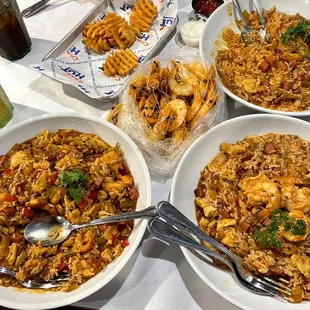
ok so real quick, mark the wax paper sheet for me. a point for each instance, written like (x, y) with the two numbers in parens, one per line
(82, 68)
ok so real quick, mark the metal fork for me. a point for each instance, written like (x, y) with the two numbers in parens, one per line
(246, 30)
(33, 284)
(175, 218)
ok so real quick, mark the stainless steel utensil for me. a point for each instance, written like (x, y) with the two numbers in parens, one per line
(166, 232)
(35, 8)
(246, 30)
(33, 284)
(174, 217)
(52, 230)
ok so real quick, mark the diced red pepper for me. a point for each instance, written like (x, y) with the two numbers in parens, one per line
(54, 176)
(10, 198)
(62, 267)
(93, 195)
(83, 204)
(27, 212)
(124, 243)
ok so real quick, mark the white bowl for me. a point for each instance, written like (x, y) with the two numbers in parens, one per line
(25, 299)
(185, 182)
(220, 19)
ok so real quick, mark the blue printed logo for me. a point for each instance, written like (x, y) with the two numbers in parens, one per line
(141, 58)
(126, 7)
(73, 73)
(74, 50)
(167, 21)
(144, 36)
(38, 68)
(110, 92)
(83, 89)
(102, 16)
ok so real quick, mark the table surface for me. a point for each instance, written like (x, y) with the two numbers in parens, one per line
(157, 275)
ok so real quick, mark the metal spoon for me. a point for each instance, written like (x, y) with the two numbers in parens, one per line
(50, 230)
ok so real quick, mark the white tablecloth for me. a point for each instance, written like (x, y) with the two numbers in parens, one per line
(157, 276)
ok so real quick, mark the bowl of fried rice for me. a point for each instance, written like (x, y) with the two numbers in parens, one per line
(246, 183)
(270, 76)
(80, 168)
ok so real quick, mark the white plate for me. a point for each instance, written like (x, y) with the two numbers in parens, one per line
(220, 19)
(185, 182)
(18, 299)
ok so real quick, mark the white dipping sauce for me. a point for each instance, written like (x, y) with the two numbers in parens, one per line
(191, 31)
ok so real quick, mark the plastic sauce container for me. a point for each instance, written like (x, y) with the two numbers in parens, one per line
(191, 31)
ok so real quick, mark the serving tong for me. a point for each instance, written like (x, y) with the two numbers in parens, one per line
(246, 30)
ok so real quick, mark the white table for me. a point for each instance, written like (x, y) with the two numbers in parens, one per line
(157, 276)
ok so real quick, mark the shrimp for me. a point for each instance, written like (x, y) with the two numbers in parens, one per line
(151, 109)
(180, 133)
(198, 69)
(195, 106)
(296, 198)
(260, 190)
(175, 111)
(172, 117)
(297, 215)
(137, 86)
(181, 80)
(205, 109)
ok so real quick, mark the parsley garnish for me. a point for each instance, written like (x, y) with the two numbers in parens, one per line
(74, 180)
(301, 30)
(267, 237)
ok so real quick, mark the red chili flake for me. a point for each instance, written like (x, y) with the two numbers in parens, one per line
(7, 171)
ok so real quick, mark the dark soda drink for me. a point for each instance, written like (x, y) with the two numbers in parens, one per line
(15, 42)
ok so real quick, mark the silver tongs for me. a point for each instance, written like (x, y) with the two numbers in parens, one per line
(246, 30)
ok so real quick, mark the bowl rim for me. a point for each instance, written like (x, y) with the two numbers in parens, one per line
(174, 190)
(54, 303)
(226, 90)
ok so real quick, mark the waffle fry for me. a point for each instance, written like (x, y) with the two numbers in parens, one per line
(112, 31)
(120, 63)
(94, 38)
(143, 15)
